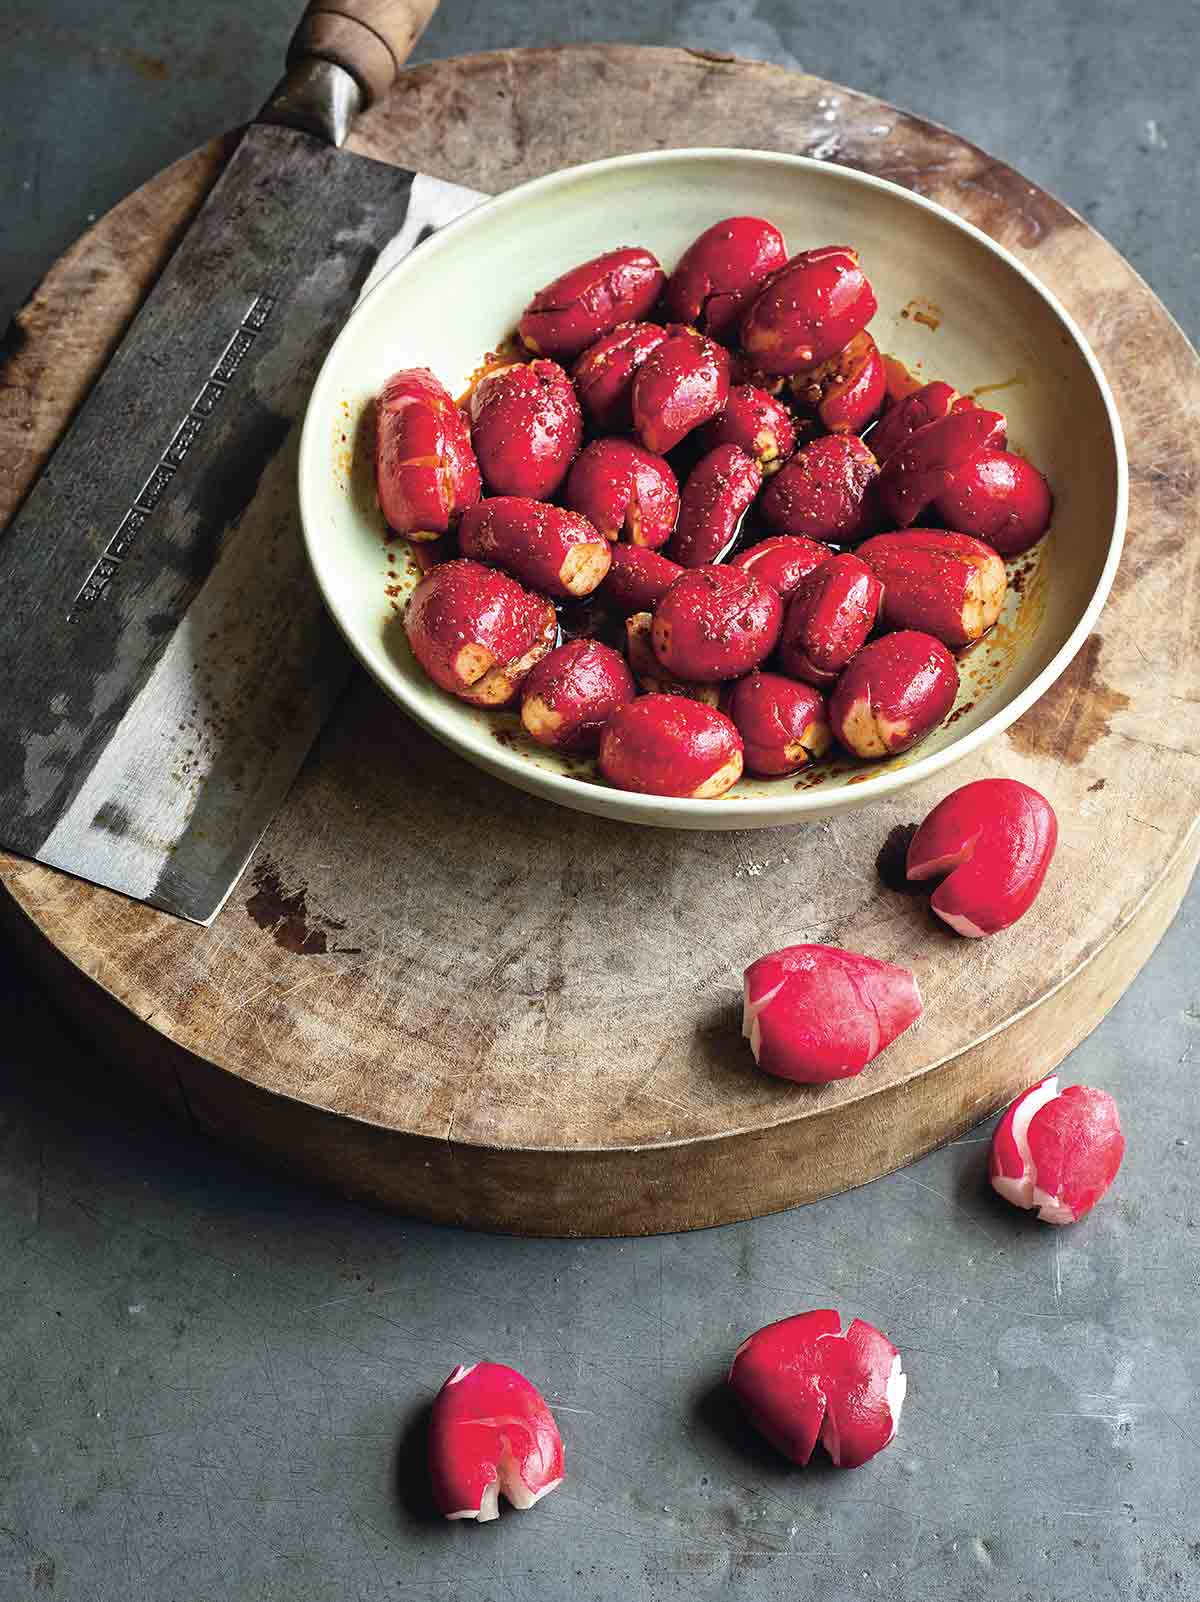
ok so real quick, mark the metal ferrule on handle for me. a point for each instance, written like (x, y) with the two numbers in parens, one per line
(344, 56)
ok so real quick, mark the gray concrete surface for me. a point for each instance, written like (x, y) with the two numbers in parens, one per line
(213, 1382)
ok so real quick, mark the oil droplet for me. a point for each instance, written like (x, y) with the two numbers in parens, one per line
(924, 311)
(1005, 383)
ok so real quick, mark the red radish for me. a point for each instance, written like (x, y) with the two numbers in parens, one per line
(808, 310)
(928, 404)
(1000, 498)
(649, 671)
(926, 464)
(491, 1432)
(866, 1386)
(669, 745)
(756, 423)
(546, 547)
(783, 725)
(681, 384)
(846, 391)
(948, 584)
(778, 1374)
(571, 694)
(830, 615)
(993, 841)
(425, 470)
(815, 1013)
(822, 492)
(624, 491)
(1058, 1151)
(716, 623)
(892, 693)
(782, 560)
(717, 495)
(526, 427)
(802, 1380)
(720, 271)
(579, 306)
(476, 632)
(604, 374)
(638, 579)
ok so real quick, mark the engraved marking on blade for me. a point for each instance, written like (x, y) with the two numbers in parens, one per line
(122, 541)
(205, 402)
(97, 582)
(256, 317)
(155, 486)
(234, 352)
(184, 437)
(185, 434)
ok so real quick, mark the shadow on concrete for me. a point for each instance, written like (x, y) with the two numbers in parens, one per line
(410, 1468)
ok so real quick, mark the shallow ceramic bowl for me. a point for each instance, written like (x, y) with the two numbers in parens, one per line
(952, 305)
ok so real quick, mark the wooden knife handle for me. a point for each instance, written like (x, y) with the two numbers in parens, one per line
(371, 39)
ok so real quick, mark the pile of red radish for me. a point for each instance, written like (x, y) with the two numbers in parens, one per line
(719, 457)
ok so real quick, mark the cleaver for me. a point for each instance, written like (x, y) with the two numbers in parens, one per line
(165, 659)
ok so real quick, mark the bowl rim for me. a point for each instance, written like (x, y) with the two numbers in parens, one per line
(794, 805)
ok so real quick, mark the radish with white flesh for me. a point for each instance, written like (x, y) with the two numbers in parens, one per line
(803, 1379)
(490, 1432)
(815, 1013)
(829, 616)
(649, 671)
(823, 492)
(604, 374)
(845, 391)
(892, 693)
(1058, 1151)
(570, 695)
(783, 724)
(526, 428)
(671, 745)
(946, 583)
(546, 547)
(624, 491)
(866, 1385)
(426, 473)
(476, 632)
(993, 840)
(716, 623)
(757, 423)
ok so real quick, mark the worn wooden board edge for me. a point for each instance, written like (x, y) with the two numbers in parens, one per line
(626, 1192)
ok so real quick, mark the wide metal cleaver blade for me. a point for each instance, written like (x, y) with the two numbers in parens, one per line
(165, 660)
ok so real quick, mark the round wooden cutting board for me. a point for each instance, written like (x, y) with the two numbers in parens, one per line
(437, 993)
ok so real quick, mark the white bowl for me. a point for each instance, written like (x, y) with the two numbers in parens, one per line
(997, 331)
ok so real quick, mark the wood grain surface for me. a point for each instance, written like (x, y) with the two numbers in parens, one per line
(441, 994)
